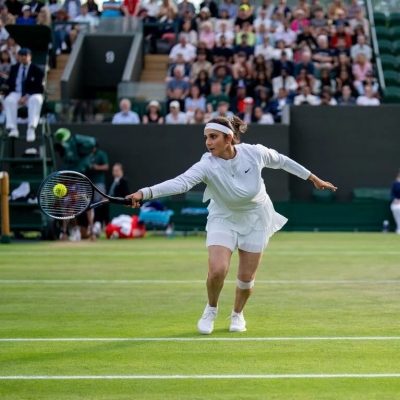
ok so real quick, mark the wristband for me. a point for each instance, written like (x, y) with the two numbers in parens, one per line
(146, 192)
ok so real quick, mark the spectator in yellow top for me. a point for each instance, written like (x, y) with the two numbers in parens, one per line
(247, 29)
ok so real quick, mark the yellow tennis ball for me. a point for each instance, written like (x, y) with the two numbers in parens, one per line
(60, 190)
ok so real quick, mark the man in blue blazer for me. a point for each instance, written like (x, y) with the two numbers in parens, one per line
(25, 84)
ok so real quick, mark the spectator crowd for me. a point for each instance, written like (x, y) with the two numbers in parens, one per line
(229, 57)
(251, 61)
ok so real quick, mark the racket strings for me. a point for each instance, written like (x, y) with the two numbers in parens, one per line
(77, 198)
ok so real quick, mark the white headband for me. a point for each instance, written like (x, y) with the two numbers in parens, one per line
(219, 127)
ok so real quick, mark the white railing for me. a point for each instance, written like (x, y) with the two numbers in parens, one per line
(374, 41)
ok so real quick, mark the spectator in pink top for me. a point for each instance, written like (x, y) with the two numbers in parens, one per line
(300, 21)
(361, 68)
(207, 35)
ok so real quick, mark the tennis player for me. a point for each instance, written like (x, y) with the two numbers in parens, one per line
(241, 214)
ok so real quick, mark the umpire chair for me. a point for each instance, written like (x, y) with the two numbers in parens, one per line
(25, 216)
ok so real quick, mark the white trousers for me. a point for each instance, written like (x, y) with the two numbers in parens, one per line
(395, 207)
(34, 104)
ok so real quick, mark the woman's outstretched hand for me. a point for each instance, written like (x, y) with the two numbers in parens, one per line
(320, 184)
(136, 198)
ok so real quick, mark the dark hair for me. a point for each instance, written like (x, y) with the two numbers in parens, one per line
(234, 123)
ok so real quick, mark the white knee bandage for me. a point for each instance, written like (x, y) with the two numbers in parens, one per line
(245, 285)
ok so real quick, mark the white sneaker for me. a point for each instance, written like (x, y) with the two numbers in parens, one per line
(13, 133)
(238, 324)
(97, 228)
(75, 235)
(206, 322)
(30, 135)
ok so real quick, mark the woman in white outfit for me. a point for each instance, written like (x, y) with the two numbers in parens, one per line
(241, 214)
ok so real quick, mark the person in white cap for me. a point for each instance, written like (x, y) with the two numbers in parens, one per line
(153, 115)
(26, 17)
(241, 215)
(175, 116)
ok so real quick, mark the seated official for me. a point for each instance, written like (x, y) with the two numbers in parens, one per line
(25, 84)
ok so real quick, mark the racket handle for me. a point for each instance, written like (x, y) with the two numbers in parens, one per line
(123, 201)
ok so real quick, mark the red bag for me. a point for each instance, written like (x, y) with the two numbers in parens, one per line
(119, 228)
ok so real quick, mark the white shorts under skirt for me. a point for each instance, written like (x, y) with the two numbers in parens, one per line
(221, 235)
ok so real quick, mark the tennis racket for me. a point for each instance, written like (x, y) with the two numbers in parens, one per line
(67, 194)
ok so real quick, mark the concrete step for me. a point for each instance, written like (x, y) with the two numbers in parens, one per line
(156, 67)
(54, 74)
(62, 60)
(156, 58)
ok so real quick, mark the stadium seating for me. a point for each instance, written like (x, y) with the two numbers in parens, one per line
(385, 46)
(391, 77)
(384, 32)
(389, 61)
(394, 19)
(392, 95)
(380, 19)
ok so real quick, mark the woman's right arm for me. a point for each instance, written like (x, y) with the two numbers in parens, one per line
(181, 184)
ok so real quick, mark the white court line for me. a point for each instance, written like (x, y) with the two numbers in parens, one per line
(211, 339)
(267, 376)
(135, 252)
(166, 281)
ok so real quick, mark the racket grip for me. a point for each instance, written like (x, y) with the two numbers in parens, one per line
(125, 202)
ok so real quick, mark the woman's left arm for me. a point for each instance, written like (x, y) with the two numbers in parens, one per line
(272, 159)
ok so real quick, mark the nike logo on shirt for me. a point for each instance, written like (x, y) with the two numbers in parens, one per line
(247, 171)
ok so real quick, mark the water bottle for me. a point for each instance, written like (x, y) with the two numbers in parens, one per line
(169, 232)
(385, 226)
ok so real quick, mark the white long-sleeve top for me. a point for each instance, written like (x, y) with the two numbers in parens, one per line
(235, 187)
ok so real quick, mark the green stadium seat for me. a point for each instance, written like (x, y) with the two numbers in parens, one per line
(394, 19)
(391, 95)
(385, 46)
(368, 194)
(391, 77)
(396, 47)
(380, 19)
(383, 33)
(137, 109)
(395, 33)
(388, 61)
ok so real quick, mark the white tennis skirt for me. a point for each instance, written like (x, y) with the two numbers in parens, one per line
(221, 235)
(246, 231)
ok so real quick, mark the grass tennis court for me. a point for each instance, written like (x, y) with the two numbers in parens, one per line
(323, 323)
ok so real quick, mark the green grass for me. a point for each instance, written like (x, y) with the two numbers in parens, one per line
(309, 285)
